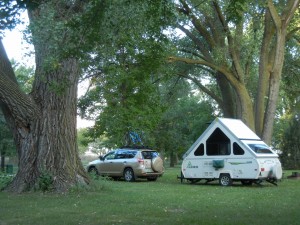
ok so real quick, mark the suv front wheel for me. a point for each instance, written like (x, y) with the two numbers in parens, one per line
(129, 175)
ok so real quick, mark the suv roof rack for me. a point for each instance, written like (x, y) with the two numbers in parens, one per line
(136, 147)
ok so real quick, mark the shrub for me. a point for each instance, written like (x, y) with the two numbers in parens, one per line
(5, 179)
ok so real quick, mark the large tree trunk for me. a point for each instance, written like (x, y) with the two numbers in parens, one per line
(281, 23)
(228, 104)
(44, 123)
(264, 74)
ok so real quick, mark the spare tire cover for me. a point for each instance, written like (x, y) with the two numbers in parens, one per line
(157, 164)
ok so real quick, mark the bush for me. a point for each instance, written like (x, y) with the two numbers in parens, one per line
(45, 181)
(290, 145)
(5, 179)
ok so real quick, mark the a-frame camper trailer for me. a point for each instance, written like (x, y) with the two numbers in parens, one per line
(230, 151)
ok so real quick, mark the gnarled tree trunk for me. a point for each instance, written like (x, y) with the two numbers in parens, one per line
(44, 122)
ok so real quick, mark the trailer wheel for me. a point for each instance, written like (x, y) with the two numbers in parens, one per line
(225, 179)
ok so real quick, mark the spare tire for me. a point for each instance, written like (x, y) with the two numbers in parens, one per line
(157, 164)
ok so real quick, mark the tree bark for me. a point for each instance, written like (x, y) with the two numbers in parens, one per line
(264, 74)
(281, 24)
(44, 123)
(228, 105)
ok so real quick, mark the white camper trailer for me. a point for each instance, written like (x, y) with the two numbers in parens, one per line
(229, 151)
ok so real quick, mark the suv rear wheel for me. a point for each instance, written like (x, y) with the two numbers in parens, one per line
(129, 175)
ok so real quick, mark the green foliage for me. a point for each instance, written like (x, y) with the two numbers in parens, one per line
(86, 141)
(45, 181)
(235, 10)
(7, 147)
(290, 144)
(5, 179)
(182, 123)
(9, 14)
(290, 74)
(24, 74)
(126, 63)
(82, 139)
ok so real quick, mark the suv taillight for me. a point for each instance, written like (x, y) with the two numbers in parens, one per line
(141, 161)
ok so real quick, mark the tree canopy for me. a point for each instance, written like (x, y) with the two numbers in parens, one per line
(143, 74)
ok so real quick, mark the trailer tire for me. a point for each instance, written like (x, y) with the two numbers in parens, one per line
(225, 179)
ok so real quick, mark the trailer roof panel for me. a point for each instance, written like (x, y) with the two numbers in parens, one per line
(238, 128)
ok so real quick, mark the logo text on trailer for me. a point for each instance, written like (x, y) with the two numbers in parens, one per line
(190, 166)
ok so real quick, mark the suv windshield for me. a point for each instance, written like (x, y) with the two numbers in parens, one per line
(260, 148)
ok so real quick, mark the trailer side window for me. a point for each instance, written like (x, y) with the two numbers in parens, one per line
(260, 148)
(200, 150)
(237, 150)
(218, 143)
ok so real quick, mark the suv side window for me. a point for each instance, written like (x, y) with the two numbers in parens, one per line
(121, 155)
(125, 154)
(110, 156)
(131, 154)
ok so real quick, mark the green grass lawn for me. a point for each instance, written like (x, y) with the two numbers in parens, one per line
(165, 201)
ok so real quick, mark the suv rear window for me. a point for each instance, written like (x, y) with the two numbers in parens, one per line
(149, 154)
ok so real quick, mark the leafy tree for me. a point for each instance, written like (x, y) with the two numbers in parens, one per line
(232, 41)
(43, 122)
(182, 124)
(126, 74)
(82, 140)
(290, 144)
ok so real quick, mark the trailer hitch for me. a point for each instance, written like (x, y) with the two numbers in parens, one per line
(272, 181)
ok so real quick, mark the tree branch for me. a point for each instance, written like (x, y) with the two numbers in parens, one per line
(197, 24)
(198, 43)
(289, 11)
(276, 18)
(21, 107)
(199, 62)
(203, 88)
(236, 62)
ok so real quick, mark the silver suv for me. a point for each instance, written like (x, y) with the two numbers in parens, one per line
(129, 163)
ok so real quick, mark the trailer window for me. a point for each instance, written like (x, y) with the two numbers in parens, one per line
(200, 150)
(218, 143)
(260, 148)
(237, 150)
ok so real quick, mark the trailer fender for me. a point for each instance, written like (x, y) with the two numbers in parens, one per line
(227, 172)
